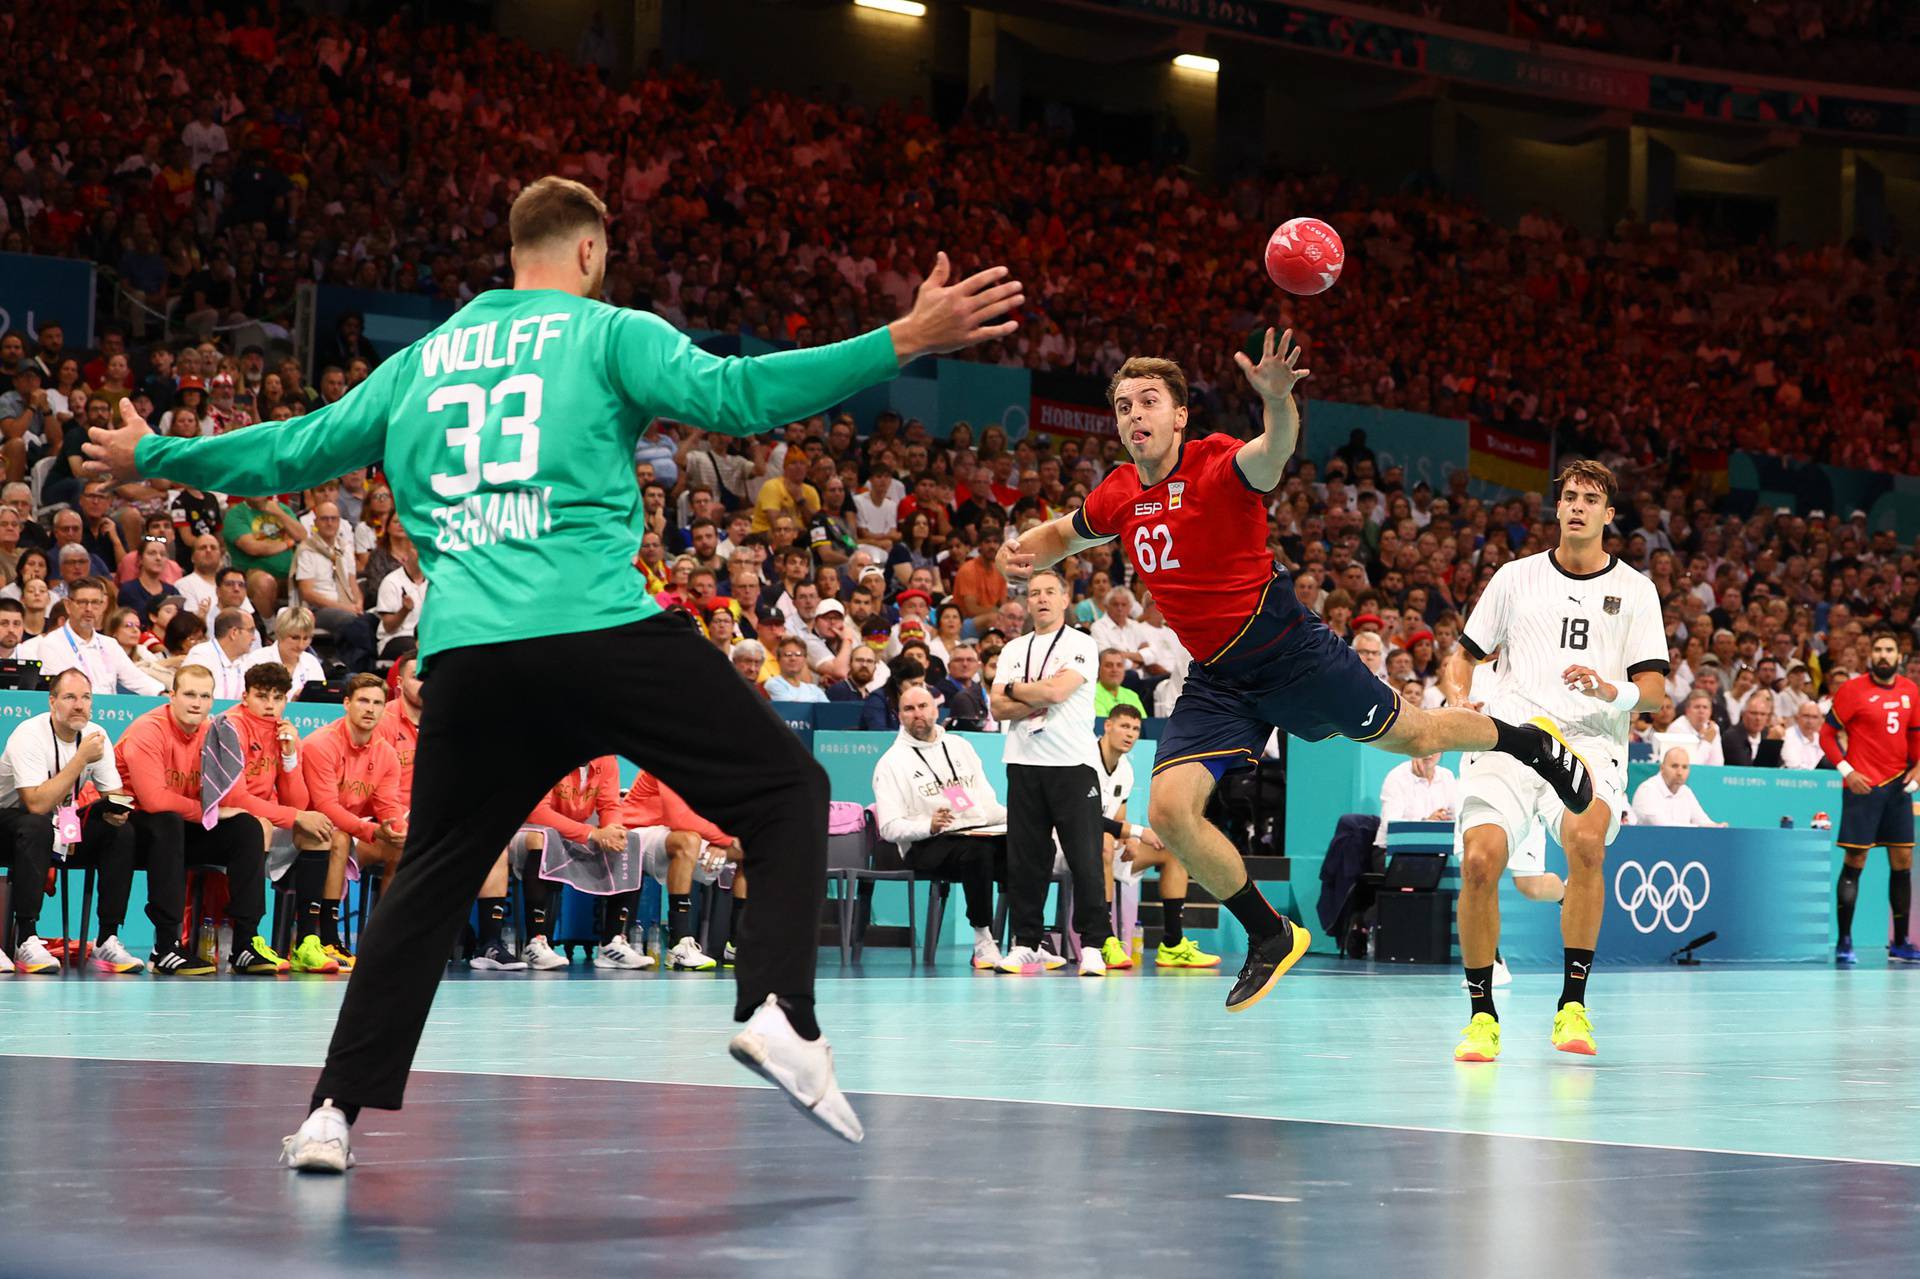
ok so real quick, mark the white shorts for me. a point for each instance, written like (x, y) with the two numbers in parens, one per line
(1498, 790)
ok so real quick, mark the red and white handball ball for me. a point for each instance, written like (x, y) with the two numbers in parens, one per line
(1305, 255)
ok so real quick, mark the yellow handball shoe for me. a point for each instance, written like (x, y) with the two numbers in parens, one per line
(1480, 1041)
(1573, 1031)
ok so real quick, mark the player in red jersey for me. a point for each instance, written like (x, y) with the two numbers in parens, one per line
(1191, 516)
(1880, 764)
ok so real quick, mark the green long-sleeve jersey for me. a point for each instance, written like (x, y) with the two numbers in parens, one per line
(508, 435)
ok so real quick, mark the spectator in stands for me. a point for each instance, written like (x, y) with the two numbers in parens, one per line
(261, 535)
(78, 643)
(881, 711)
(861, 678)
(1695, 732)
(1800, 744)
(150, 583)
(915, 547)
(159, 756)
(915, 608)
(199, 588)
(978, 588)
(787, 493)
(32, 565)
(353, 776)
(1666, 799)
(1109, 690)
(1756, 741)
(966, 700)
(932, 799)
(748, 657)
(1417, 790)
(1367, 646)
(791, 683)
(1117, 628)
(13, 629)
(402, 594)
(48, 759)
(224, 652)
(325, 569)
(876, 512)
(829, 644)
(70, 530)
(292, 651)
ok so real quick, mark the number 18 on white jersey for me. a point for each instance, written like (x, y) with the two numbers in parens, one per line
(1543, 619)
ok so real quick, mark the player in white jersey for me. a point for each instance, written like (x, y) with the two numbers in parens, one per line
(1582, 647)
(1526, 861)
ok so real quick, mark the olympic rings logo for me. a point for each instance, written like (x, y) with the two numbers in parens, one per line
(1664, 892)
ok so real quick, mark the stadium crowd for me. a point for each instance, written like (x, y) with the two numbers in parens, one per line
(852, 561)
(1839, 41)
(212, 167)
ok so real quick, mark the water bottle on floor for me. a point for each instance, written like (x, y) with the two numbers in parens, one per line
(206, 942)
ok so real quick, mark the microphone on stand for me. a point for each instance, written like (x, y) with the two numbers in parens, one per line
(1685, 956)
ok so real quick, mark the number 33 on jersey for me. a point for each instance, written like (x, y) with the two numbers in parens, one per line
(1198, 539)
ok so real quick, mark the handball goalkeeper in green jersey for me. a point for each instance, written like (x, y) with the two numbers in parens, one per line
(508, 435)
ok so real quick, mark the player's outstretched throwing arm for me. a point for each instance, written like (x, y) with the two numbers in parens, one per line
(1263, 460)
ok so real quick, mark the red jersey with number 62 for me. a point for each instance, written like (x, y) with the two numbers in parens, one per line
(1197, 539)
(1882, 724)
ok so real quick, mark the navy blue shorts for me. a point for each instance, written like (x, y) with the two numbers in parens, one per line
(1287, 670)
(1884, 815)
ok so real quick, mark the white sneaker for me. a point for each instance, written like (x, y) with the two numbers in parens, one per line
(6, 965)
(323, 1144)
(687, 957)
(986, 954)
(619, 953)
(769, 1046)
(1091, 965)
(32, 956)
(1022, 961)
(1502, 976)
(1049, 960)
(540, 954)
(111, 957)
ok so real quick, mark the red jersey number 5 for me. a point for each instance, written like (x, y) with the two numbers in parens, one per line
(1153, 548)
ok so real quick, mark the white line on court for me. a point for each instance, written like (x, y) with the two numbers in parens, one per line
(1066, 1105)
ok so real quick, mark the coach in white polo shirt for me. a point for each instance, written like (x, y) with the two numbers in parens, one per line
(1043, 693)
(233, 637)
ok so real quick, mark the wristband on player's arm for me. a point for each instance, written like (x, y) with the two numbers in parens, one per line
(1626, 696)
(1846, 770)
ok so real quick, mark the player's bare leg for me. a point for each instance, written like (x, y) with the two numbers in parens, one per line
(1584, 837)
(1541, 888)
(1483, 860)
(1177, 814)
(1418, 730)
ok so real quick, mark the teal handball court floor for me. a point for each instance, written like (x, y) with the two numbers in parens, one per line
(1749, 1121)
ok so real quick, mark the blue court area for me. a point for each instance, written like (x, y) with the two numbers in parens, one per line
(1739, 1121)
